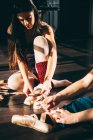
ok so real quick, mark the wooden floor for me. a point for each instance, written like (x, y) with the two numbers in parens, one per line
(75, 59)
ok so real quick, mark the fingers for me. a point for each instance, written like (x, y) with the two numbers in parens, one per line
(46, 93)
(62, 116)
(44, 90)
(56, 115)
(38, 87)
(50, 113)
(48, 102)
(46, 107)
(28, 91)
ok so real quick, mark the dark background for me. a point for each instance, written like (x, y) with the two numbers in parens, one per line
(74, 18)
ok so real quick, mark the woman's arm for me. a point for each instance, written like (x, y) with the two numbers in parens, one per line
(52, 60)
(69, 92)
(82, 116)
(76, 88)
(24, 72)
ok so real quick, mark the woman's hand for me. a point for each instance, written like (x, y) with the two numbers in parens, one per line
(28, 89)
(46, 88)
(63, 116)
(49, 102)
(43, 89)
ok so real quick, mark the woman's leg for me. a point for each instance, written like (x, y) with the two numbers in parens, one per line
(60, 83)
(41, 51)
(15, 81)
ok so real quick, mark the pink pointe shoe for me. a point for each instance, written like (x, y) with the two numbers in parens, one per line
(32, 121)
(32, 98)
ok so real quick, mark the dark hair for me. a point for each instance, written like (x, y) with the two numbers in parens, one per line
(17, 43)
(23, 6)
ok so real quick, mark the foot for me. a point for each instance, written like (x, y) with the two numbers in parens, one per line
(30, 100)
(66, 83)
(61, 83)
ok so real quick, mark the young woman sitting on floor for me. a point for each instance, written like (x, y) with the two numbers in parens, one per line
(31, 38)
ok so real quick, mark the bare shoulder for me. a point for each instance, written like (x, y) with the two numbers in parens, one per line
(47, 27)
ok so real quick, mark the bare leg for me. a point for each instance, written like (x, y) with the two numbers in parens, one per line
(15, 81)
(60, 83)
(41, 50)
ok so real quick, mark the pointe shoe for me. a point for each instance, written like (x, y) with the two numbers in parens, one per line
(29, 100)
(31, 121)
(32, 98)
(38, 89)
(37, 107)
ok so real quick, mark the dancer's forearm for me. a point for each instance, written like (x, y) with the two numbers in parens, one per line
(76, 88)
(23, 70)
(82, 116)
(52, 61)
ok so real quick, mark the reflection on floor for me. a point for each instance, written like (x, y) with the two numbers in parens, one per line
(75, 59)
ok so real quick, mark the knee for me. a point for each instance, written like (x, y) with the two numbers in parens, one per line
(15, 82)
(41, 45)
